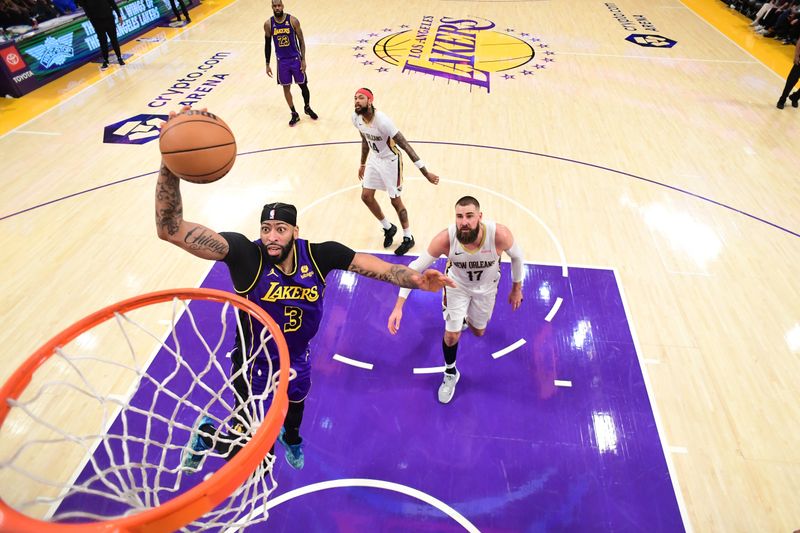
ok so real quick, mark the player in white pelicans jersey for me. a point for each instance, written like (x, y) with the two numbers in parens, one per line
(382, 166)
(475, 271)
(473, 248)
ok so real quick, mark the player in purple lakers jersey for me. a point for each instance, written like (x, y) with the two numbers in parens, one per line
(285, 275)
(290, 51)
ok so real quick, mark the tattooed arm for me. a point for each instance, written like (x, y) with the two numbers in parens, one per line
(194, 238)
(400, 275)
(406, 146)
(439, 246)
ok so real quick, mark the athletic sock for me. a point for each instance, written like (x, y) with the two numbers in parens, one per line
(450, 357)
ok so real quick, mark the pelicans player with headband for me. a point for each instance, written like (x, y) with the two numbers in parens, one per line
(473, 248)
(382, 166)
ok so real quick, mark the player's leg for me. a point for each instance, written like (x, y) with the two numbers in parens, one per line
(455, 303)
(302, 81)
(368, 197)
(287, 93)
(791, 81)
(284, 79)
(112, 33)
(175, 10)
(402, 214)
(289, 436)
(247, 385)
(371, 182)
(299, 77)
(207, 435)
(392, 176)
(99, 30)
(307, 99)
(400, 209)
(185, 11)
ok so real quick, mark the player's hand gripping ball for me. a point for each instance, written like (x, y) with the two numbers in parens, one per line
(197, 146)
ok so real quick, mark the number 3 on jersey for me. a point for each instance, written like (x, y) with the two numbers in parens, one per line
(294, 317)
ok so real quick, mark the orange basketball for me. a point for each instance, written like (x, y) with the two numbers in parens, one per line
(197, 146)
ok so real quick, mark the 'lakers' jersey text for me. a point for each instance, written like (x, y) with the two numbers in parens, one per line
(284, 38)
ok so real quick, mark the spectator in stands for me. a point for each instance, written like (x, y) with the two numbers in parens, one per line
(783, 25)
(14, 14)
(765, 10)
(771, 17)
(42, 10)
(65, 6)
(26, 12)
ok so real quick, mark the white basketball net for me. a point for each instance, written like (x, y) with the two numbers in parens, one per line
(100, 431)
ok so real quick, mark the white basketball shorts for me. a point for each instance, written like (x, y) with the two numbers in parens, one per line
(458, 304)
(384, 174)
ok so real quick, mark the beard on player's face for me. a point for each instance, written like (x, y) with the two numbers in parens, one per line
(361, 110)
(467, 235)
(285, 251)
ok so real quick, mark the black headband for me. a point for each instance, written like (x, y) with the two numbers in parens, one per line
(280, 211)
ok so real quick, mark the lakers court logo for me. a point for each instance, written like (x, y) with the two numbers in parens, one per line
(470, 51)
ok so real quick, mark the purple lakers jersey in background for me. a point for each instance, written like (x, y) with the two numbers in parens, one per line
(285, 40)
(293, 300)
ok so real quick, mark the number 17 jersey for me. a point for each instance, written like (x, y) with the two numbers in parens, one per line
(479, 271)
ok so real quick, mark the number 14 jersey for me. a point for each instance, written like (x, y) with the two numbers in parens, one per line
(478, 271)
(379, 133)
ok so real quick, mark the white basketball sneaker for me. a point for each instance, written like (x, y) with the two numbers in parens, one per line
(448, 387)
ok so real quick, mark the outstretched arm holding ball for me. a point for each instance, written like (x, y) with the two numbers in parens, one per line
(194, 238)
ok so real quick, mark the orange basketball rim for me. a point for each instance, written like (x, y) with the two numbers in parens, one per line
(201, 499)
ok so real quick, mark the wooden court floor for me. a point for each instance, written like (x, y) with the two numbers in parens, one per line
(669, 164)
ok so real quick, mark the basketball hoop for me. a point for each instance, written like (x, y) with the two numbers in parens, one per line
(133, 416)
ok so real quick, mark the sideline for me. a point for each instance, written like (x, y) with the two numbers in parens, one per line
(776, 56)
(14, 112)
